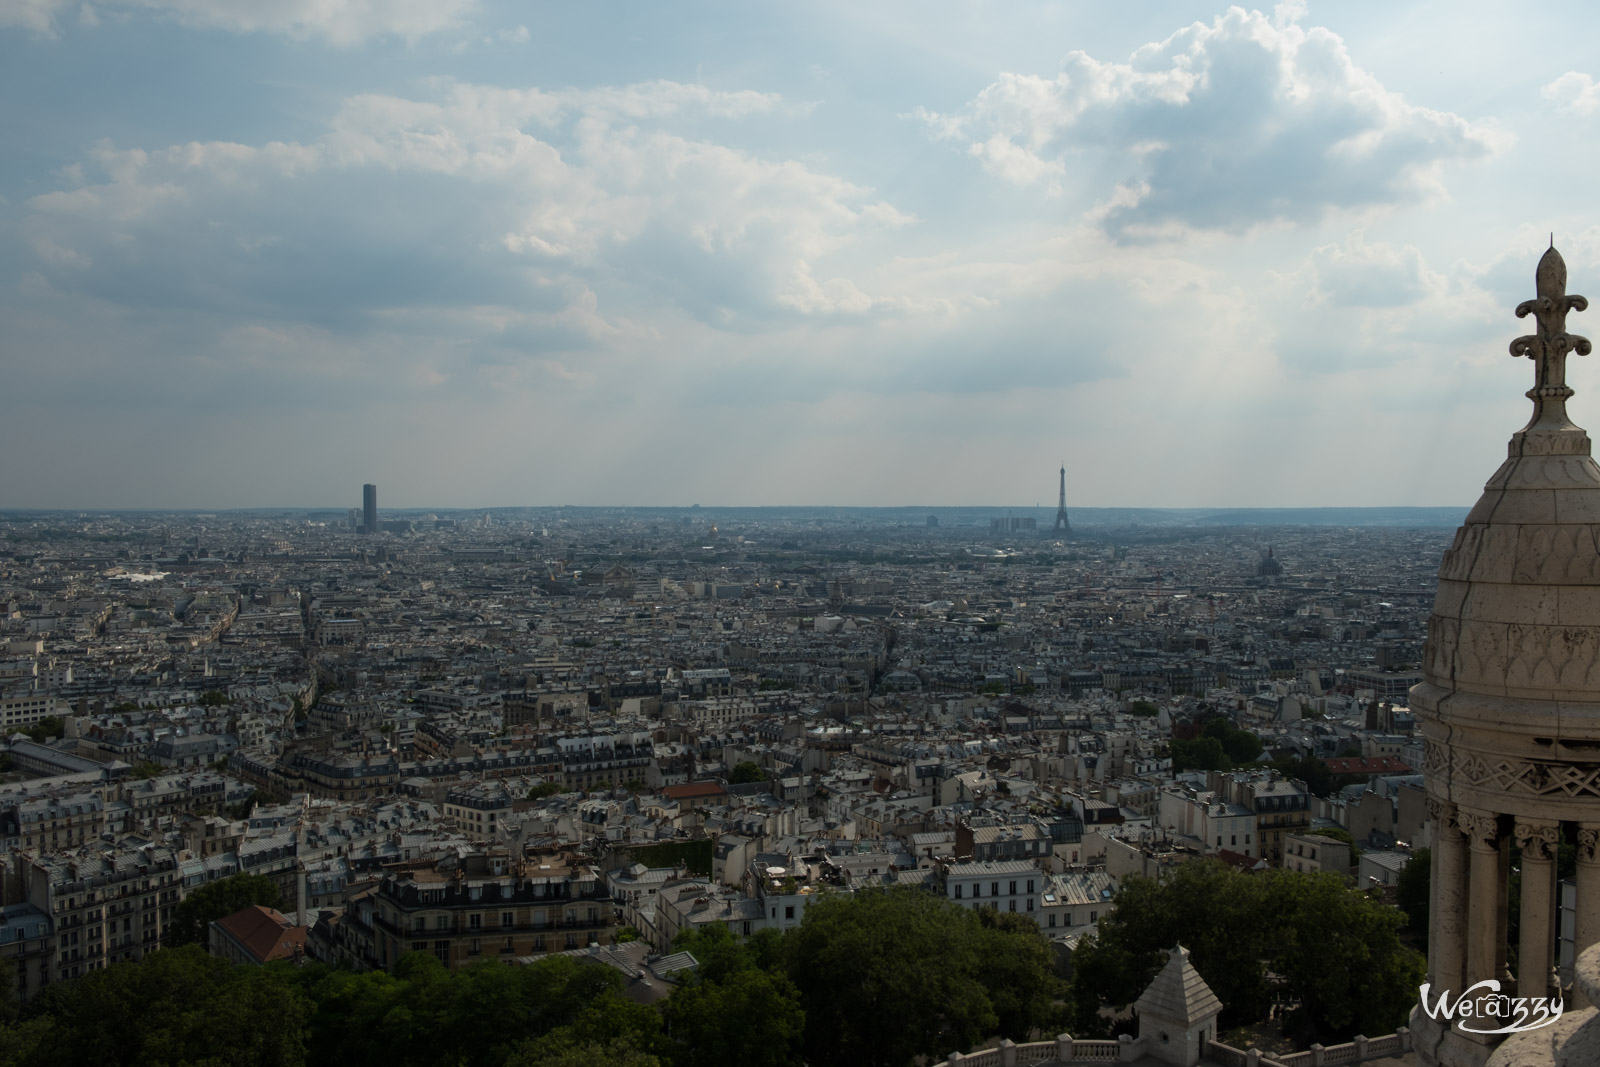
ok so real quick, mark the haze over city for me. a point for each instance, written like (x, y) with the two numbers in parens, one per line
(489, 254)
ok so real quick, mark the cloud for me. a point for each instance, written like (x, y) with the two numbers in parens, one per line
(339, 22)
(1358, 274)
(1227, 126)
(495, 238)
(1574, 92)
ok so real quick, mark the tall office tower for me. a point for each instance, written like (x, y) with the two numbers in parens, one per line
(1061, 507)
(369, 507)
(1510, 711)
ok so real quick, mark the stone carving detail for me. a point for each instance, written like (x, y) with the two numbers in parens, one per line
(1588, 838)
(1517, 656)
(1515, 776)
(1482, 828)
(1537, 840)
(1435, 760)
(1440, 812)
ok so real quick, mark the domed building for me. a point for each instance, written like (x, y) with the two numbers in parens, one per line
(1269, 567)
(1510, 701)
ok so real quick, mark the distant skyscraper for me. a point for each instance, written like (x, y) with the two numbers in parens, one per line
(1061, 507)
(369, 507)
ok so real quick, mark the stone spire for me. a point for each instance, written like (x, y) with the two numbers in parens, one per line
(1548, 349)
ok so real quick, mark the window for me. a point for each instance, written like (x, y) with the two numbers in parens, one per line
(994, 889)
(1011, 905)
(1030, 885)
(958, 890)
(1012, 891)
(441, 922)
(1052, 918)
(1030, 903)
(1219, 840)
(977, 889)
(475, 921)
(1234, 840)
(788, 911)
(506, 920)
(1094, 916)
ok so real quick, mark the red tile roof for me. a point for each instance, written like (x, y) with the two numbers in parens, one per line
(1240, 860)
(693, 791)
(264, 933)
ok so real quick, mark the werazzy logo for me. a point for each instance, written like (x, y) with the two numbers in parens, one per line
(1483, 1005)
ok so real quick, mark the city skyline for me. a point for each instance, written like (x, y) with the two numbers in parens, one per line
(492, 255)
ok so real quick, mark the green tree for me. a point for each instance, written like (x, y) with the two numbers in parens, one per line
(558, 1050)
(46, 728)
(196, 912)
(178, 1006)
(1336, 950)
(746, 772)
(750, 1017)
(546, 789)
(900, 954)
(1201, 754)
(1340, 834)
(1310, 770)
(1017, 967)
(1209, 908)
(1411, 893)
(1340, 952)
(1242, 747)
(213, 698)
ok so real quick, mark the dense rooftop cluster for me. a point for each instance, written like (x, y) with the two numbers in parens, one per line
(513, 734)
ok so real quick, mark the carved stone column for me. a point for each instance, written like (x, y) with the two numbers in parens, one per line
(1486, 932)
(1538, 841)
(1447, 903)
(1586, 930)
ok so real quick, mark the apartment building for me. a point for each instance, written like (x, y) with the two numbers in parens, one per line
(104, 907)
(488, 906)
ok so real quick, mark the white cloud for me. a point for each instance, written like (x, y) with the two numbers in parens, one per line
(1574, 92)
(1358, 274)
(1227, 126)
(568, 184)
(339, 22)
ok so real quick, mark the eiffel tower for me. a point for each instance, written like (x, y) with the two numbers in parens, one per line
(1061, 508)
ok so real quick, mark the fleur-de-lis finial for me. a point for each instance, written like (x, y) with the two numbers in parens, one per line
(1548, 347)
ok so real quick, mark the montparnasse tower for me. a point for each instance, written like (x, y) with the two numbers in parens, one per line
(1510, 699)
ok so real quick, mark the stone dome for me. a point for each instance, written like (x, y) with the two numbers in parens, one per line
(1510, 701)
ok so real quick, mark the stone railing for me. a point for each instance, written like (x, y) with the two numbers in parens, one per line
(1063, 1050)
(1066, 1050)
(1356, 1051)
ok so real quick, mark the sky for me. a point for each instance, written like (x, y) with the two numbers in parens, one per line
(255, 253)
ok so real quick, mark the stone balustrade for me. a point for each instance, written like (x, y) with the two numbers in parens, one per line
(1066, 1050)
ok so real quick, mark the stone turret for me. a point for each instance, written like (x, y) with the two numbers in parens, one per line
(1178, 1013)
